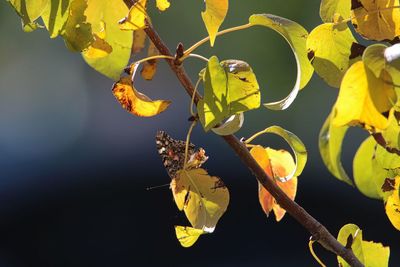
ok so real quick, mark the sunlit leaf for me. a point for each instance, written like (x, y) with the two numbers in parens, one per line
(29, 11)
(369, 176)
(392, 205)
(329, 49)
(330, 9)
(135, 102)
(136, 17)
(213, 16)
(230, 87)
(376, 19)
(374, 59)
(149, 68)
(330, 147)
(275, 163)
(162, 5)
(362, 98)
(77, 32)
(388, 161)
(202, 197)
(104, 14)
(295, 144)
(296, 36)
(55, 15)
(233, 124)
(370, 254)
(187, 236)
(98, 49)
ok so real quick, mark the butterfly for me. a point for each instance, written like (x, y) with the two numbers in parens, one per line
(172, 153)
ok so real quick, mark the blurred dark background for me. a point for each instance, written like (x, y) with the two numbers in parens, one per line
(74, 166)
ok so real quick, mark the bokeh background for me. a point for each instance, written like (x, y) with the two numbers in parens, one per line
(74, 166)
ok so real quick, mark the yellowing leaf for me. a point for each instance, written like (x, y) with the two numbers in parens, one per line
(330, 148)
(77, 32)
(295, 144)
(362, 98)
(29, 10)
(275, 163)
(202, 197)
(149, 68)
(104, 14)
(55, 15)
(139, 39)
(98, 49)
(369, 176)
(329, 49)
(392, 206)
(136, 17)
(330, 9)
(162, 5)
(370, 254)
(187, 236)
(374, 58)
(230, 87)
(213, 16)
(135, 102)
(376, 19)
(296, 37)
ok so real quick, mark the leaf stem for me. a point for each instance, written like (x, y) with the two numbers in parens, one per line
(206, 39)
(152, 58)
(188, 142)
(197, 56)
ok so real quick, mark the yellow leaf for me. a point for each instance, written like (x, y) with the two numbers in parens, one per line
(135, 102)
(362, 98)
(330, 9)
(187, 236)
(136, 17)
(376, 19)
(329, 49)
(55, 16)
(162, 5)
(104, 15)
(202, 197)
(149, 68)
(275, 163)
(392, 206)
(370, 254)
(213, 17)
(98, 49)
(139, 39)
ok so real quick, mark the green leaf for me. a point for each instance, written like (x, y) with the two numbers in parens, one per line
(29, 11)
(230, 87)
(296, 37)
(55, 15)
(332, 9)
(369, 176)
(329, 49)
(370, 254)
(78, 32)
(330, 148)
(108, 13)
(297, 146)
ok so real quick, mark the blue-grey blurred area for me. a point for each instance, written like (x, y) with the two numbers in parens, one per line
(74, 165)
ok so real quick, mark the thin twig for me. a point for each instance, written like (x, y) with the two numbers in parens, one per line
(317, 230)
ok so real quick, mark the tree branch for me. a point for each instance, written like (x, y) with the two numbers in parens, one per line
(318, 231)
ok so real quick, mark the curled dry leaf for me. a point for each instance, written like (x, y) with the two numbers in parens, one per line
(135, 102)
(275, 163)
